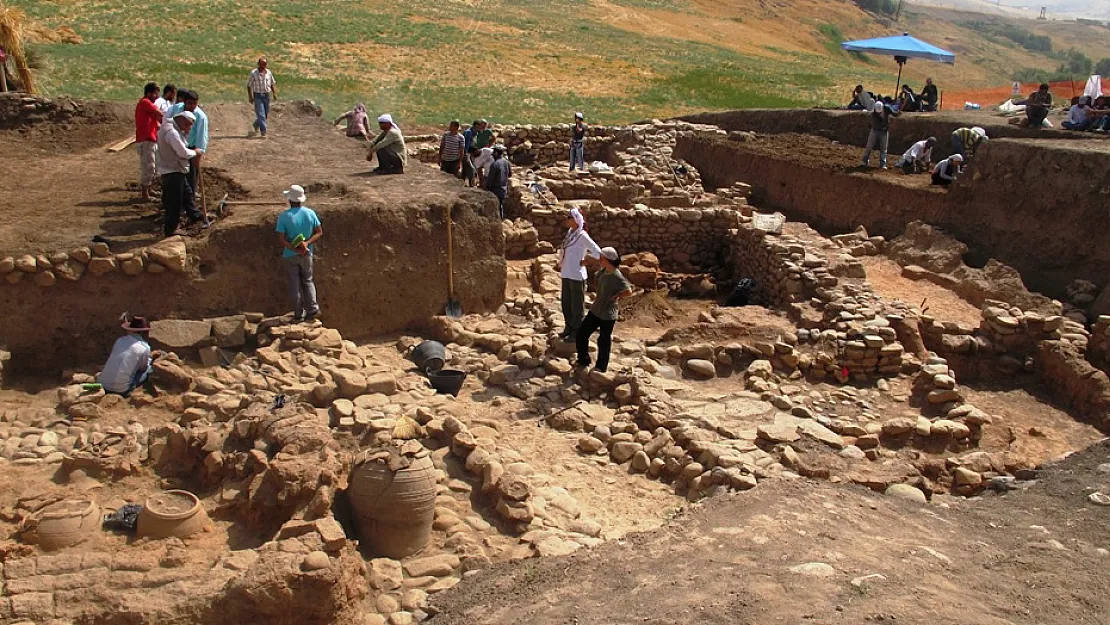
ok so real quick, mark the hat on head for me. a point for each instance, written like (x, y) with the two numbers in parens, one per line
(931, 140)
(610, 253)
(385, 119)
(186, 114)
(482, 121)
(137, 324)
(878, 108)
(295, 194)
(499, 147)
(979, 131)
(959, 158)
(579, 116)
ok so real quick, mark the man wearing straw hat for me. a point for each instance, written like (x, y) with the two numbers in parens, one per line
(131, 359)
(298, 230)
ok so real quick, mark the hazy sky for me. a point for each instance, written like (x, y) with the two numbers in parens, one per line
(1089, 8)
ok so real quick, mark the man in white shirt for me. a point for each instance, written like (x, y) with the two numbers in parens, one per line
(576, 246)
(130, 362)
(261, 88)
(169, 92)
(919, 157)
(173, 166)
(1078, 118)
(480, 160)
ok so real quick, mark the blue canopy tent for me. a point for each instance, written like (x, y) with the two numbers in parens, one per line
(903, 48)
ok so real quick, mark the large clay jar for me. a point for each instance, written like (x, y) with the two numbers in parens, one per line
(62, 524)
(394, 509)
(171, 513)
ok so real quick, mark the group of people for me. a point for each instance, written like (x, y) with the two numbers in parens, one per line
(575, 253)
(171, 135)
(907, 101)
(1086, 115)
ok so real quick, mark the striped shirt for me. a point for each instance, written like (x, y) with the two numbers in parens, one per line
(261, 82)
(970, 138)
(451, 148)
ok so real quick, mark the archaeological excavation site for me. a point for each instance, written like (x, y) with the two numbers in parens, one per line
(835, 395)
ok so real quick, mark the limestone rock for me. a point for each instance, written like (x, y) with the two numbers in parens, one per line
(905, 491)
(132, 266)
(45, 278)
(383, 383)
(98, 265)
(180, 333)
(702, 369)
(170, 253)
(26, 264)
(590, 445)
(351, 384)
(230, 331)
(315, 561)
(434, 566)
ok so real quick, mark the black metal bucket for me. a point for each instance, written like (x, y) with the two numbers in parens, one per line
(447, 381)
(429, 356)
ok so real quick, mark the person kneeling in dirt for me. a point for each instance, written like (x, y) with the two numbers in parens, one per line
(947, 170)
(576, 246)
(611, 287)
(298, 229)
(129, 365)
(918, 158)
(389, 147)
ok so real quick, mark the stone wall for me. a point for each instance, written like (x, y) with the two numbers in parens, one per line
(530, 144)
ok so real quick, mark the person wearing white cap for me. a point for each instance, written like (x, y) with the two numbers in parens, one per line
(611, 287)
(298, 230)
(947, 170)
(576, 246)
(497, 181)
(880, 133)
(172, 163)
(966, 141)
(389, 146)
(919, 157)
(577, 143)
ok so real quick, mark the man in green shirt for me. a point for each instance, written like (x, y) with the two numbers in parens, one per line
(389, 147)
(611, 287)
(484, 137)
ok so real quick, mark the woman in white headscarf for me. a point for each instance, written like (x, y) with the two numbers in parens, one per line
(576, 246)
(389, 147)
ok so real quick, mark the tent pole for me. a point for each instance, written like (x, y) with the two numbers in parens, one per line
(898, 85)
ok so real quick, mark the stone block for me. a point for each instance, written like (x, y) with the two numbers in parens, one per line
(38, 606)
(435, 566)
(230, 331)
(181, 333)
(170, 253)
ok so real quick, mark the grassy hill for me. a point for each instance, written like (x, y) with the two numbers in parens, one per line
(510, 60)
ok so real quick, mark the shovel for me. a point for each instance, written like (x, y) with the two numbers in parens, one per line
(454, 308)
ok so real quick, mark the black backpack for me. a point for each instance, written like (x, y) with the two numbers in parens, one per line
(741, 293)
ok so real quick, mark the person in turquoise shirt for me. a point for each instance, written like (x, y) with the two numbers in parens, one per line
(298, 230)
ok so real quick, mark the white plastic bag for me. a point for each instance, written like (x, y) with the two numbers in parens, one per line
(768, 223)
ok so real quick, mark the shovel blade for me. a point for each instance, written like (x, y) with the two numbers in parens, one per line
(454, 309)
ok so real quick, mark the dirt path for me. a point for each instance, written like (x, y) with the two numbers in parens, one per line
(799, 551)
(885, 276)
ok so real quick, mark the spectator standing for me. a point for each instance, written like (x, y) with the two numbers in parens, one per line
(358, 122)
(929, 96)
(576, 246)
(197, 140)
(611, 287)
(129, 365)
(578, 142)
(389, 146)
(166, 100)
(1037, 106)
(966, 141)
(919, 157)
(147, 120)
(946, 171)
(261, 89)
(497, 182)
(483, 138)
(173, 166)
(1078, 115)
(880, 133)
(452, 148)
(299, 229)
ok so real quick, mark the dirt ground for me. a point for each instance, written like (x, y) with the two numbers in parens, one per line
(885, 276)
(802, 551)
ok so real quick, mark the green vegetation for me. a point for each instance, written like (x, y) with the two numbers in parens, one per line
(1102, 68)
(1075, 65)
(886, 7)
(1016, 34)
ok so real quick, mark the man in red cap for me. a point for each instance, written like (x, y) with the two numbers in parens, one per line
(131, 359)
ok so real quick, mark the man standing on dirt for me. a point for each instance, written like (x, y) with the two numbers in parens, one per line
(578, 142)
(452, 148)
(880, 133)
(260, 87)
(611, 287)
(147, 120)
(169, 93)
(299, 229)
(197, 139)
(497, 182)
(173, 166)
(929, 96)
(389, 146)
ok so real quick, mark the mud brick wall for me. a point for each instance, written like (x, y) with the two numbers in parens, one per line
(528, 144)
(684, 240)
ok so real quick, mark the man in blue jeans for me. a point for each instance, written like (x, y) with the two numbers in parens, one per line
(577, 143)
(298, 229)
(260, 87)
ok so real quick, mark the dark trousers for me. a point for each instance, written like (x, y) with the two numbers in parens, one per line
(940, 181)
(450, 167)
(590, 325)
(574, 303)
(177, 195)
(500, 193)
(468, 172)
(1036, 114)
(389, 162)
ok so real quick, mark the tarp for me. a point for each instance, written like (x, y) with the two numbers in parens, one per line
(1094, 87)
(902, 45)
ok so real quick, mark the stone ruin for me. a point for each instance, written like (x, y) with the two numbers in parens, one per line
(265, 418)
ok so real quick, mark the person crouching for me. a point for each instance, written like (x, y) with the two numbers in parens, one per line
(129, 365)
(946, 171)
(611, 287)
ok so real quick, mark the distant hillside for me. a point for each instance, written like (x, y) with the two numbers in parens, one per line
(1092, 9)
(429, 61)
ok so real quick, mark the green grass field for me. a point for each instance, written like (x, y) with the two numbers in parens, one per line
(445, 58)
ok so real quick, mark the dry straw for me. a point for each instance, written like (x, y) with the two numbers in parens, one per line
(12, 23)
